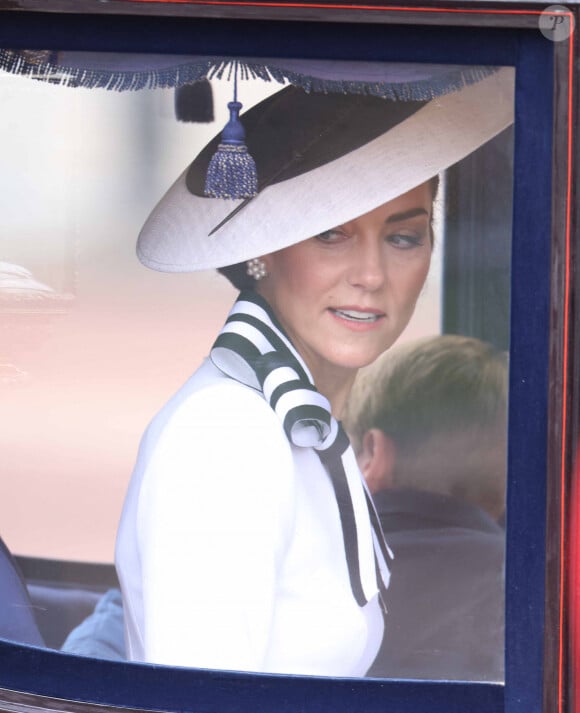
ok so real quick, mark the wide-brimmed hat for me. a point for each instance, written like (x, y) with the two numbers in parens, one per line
(321, 160)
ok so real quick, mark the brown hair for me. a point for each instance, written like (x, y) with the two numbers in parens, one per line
(443, 402)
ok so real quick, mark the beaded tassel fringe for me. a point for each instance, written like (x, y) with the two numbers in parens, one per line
(232, 171)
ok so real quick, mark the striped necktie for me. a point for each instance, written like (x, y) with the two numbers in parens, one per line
(253, 349)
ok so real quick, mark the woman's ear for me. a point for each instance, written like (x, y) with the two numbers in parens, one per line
(376, 460)
(257, 268)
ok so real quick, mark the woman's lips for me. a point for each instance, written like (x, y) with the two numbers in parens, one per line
(356, 316)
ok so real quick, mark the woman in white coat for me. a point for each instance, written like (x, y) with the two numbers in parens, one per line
(247, 539)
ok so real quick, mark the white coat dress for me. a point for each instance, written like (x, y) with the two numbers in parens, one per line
(230, 550)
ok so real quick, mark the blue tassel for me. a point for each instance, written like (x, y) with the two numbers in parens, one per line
(232, 171)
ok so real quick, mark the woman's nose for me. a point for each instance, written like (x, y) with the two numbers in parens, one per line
(368, 269)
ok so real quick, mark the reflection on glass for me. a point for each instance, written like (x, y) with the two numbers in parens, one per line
(83, 389)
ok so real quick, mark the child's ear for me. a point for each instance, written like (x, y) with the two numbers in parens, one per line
(376, 460)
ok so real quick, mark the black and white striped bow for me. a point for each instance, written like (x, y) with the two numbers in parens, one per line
(253, 349)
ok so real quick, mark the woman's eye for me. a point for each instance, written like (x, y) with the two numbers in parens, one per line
(331, 236)
(405, 242)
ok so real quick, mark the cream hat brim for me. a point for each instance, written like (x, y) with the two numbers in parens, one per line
(175, 237)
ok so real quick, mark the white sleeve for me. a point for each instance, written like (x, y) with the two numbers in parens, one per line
(215, 512)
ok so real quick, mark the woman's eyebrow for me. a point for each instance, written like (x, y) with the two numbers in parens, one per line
(405, 215)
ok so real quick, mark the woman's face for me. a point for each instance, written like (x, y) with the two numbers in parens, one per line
(344, 296)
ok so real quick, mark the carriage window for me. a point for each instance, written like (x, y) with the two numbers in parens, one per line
(93, 344)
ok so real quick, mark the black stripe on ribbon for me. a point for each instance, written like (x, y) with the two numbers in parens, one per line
(332, 461)
(380, 538)
(383, 597)
(377, 527)
(286, 387)
(278, 344)
(239, 345)
(306, 413)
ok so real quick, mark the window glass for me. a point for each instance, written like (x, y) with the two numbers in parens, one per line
(93, 344)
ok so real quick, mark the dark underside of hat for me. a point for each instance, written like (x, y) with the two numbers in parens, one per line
(293, 132)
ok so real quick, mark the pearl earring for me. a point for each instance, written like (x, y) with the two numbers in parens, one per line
(256, 268)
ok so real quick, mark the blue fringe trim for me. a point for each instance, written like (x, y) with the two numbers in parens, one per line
(44, 66)
(417, 90)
